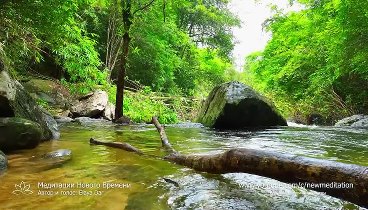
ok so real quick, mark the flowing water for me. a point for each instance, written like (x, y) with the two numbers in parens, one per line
(137, 182)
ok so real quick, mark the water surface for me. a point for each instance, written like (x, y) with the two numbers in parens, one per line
(142, 177)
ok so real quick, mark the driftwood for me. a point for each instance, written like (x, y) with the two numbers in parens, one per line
(164, 140)
(346, 181)
(119, 145)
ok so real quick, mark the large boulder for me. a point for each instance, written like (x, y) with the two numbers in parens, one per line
(15, 101)
(109, 112)
(358, 120)
(91, 105)
(18, 133)
(234, 105)
(50, 92)
(3, 162)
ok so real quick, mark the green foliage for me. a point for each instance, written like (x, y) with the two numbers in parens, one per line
(30, 26)
(140, 108)
(177, 47)
(316, 59)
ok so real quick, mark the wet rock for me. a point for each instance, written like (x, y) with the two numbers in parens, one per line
(358, 120)
(60, 153)
(361, 123)
(51, 160)
(315, 119)
(59, 119)
(234, 105)
(3, 162)
(109, 112)
(18, 133)
(124, 120)
(15, 101)
(60, 113)
(88, 120)
(91, 105)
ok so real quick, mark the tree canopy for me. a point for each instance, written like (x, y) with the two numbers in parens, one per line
(316, 59)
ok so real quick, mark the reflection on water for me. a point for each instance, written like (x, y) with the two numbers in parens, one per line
(143, 177)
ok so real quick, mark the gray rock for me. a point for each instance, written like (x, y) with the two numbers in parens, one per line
(109, 112)
(92, 105)
(234, 105)
(124, 120)
(60, 153)
(51, 160)
(55, 94)
(15, 101)
(18, 133)
(59, 119)
(3, 162)
(361, 123)
(88, 120)
(349, 121)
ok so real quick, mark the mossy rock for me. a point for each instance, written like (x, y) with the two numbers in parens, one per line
(234, 105)
(18, 133)
(15, 101)
(50, 92)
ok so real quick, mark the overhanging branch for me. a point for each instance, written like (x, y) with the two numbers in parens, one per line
(144, 7)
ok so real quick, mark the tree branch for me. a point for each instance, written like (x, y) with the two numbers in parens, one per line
(164, 140)
(144, 7)
(119, 145)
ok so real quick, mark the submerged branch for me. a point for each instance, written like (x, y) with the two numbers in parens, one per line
(164, 140)
(119, 145)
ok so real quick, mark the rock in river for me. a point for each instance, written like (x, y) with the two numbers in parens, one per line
(15, 101)
(358, 120)
(51, 160)
(234, 105)
(91, 105)
(109, 112)
(18, 133)
(3, 162)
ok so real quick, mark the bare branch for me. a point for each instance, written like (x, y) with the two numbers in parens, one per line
(119, 145)
(144, 7)
(164, 140)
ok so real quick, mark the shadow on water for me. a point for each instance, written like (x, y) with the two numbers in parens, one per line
(145, 176)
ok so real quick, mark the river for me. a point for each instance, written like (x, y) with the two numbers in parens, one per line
(98, 177)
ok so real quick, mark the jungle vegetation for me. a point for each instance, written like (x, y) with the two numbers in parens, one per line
(315, 61)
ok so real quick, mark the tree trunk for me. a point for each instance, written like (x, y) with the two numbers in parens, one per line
(121, 75)
(298, 170)
(341, 180)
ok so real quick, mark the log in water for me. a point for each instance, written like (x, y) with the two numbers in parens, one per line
(346, 181)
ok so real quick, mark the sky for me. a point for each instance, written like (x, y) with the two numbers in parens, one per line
(250, 37)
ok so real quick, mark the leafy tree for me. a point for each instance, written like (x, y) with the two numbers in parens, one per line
(316, 59)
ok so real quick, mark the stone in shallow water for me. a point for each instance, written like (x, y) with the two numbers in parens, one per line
(18, 133)
(88, 120)
(60, 153)
(3, 162)
(60, 119)
(51, 160)
(358, 120)
(234, 105)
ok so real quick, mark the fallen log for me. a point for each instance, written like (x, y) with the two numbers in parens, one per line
(119, 145)
(346, 181)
